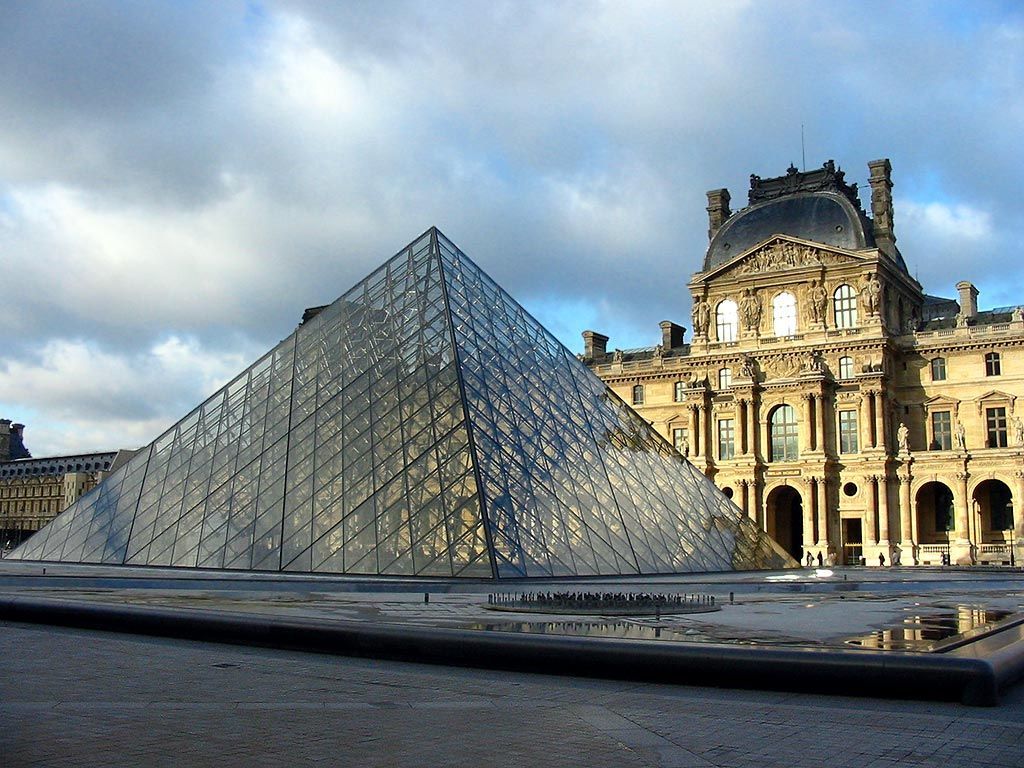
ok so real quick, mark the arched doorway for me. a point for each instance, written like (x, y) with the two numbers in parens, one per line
(993, 502)
(785, 519)
(935, 521)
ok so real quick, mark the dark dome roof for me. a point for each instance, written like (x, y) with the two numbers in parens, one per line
(821, 217)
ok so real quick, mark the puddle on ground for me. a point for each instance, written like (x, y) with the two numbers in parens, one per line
(923, 629)
(929, 628)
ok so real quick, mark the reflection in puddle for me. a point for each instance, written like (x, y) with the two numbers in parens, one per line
(928, 631)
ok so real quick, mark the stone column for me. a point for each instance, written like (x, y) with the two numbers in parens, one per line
(1018, 518)
(745, 496)
(871, 534)
(963, 509)
(908, 515)
(822, 511)
(883, 511)
(880, 420)
(808, 436)
(822, 430)
(808, 522)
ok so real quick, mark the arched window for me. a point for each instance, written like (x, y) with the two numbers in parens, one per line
(845, 367)
(784, 314)
(638, 394)
(724, 378)
(938, 369)
(845, 301)
(726, 320)
(784, 434)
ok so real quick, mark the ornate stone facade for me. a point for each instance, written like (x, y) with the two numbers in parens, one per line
(34, 491)
(847, 412)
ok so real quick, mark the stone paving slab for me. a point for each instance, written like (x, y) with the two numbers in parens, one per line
(81, 698)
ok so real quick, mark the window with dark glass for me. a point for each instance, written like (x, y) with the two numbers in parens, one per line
(942, 431)
(939, 369)
(993, 366)
(726, 438)
(727, 320)
(638, 394)
(845, 367)
(847, 431)
(679, 394)
(995, 424)
(845, 302)
(724, 378)
(784, 434)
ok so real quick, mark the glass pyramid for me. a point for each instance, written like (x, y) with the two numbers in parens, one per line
(421, 425)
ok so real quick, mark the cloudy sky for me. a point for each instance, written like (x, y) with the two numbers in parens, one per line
(178, 180)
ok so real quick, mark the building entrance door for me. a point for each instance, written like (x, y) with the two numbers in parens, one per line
(853, 541)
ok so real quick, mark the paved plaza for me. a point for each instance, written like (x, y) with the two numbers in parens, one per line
(80, 698)
(72, 697)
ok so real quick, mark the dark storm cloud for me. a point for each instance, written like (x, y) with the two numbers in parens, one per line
(178, 180)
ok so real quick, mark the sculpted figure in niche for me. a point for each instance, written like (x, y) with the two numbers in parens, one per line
(902, 435)
(701, 317)
(871, 294)
(818, 301)
(961, 436)
(747, 367)
(750, 310)
(1018, 431)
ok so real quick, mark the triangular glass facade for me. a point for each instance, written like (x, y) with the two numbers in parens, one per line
(421, 425)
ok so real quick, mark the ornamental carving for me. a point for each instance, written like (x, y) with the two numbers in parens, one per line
(783, 254)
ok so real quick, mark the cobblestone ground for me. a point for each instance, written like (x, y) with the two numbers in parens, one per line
(79, 698)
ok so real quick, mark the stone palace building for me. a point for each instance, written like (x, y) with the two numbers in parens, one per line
(850, 414)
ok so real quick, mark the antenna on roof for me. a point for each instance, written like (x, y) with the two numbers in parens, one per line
(803, 154)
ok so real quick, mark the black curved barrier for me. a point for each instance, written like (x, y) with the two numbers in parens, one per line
(974, 681)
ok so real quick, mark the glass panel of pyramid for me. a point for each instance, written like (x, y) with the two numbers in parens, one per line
(423, 424)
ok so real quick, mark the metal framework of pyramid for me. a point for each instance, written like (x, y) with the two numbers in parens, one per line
(424, 424)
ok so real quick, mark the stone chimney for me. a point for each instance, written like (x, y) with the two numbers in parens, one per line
(968, 299)
(595, 346)
(5, 440)
(880, 180)
(671, 335)
(718, 210)
(16, 443)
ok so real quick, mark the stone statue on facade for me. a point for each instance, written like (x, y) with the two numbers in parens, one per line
(961, 436)
(659, 352)
(701, 317)
(902, 437)
(747, 368)
(818, 299)
(871, 294)
(1017, 315)
(617, 357)
(750, 310)
(1018, 431)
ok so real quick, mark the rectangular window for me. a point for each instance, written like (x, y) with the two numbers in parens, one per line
(726, 438)
(993, 366)
(638, 394)
(942, 431)
(680, 438)
(939, 369)
(995, 423)
(847, 431)
(680, 392)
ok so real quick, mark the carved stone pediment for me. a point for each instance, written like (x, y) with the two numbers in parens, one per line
(783, 253)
